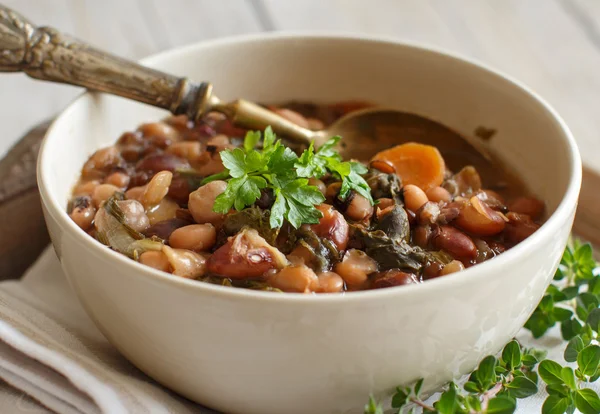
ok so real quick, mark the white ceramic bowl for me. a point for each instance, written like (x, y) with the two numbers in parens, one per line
(244, 351)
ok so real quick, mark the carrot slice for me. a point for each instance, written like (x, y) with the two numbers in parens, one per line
(417, 164)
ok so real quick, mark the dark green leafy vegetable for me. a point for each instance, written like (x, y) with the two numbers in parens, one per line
(113, 231)
(395, 225)
(253, 217)
(385, 185)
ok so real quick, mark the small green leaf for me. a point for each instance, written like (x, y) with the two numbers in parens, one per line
(373, 407)
(399, 399)
(555, 405)
(582, 312)
(501, 370)
(595, 377)
(560, 273)
(485, 373)
(594, 285)
(570, 328)
(447, 403)
(538, 323)
(568, 377)
(589, 359)
(235, 161)
(550, 372)
(570, 292)
(546, 304)
(511, 355)
(587, 401)
(502, 404)
(588, 300)
(269, 138)
(418, 387)
(573, 349)
(593, 319)
(567, 257)
(277, 210)
(251, 139)
(521, 387)
(558, 389)
(561, 314)
(533, 376)
(584, 253)
(470, 386)
(529, 360)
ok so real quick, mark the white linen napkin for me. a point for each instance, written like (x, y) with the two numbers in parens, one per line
(52, 352)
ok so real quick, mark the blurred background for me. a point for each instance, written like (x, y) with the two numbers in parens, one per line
(551, 45)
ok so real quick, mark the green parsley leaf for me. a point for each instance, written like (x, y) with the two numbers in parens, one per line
(235, 161)
(250, 140)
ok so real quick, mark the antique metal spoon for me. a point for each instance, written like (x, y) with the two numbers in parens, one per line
(46, 54)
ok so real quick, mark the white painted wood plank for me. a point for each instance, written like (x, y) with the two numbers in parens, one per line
(179, 22)
(25, 102)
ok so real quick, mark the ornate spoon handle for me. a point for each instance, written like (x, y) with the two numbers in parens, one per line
(45, 53)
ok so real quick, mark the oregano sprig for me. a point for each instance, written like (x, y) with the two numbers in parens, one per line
(495, 386)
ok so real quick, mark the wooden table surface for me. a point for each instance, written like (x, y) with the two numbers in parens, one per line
(551, 45)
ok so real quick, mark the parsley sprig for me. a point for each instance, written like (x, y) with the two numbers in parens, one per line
(573, 301)
(248, 171)
(326, 159)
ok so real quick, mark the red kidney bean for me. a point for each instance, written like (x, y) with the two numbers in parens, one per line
(518, 228)
(130, 138)
(154, 163)
(432, 270)
(384, 166)
(412, 217)
(421, 235)
(391, 278)
(133, 152)
(163, 229)
(455, 242)
(527, 205)
(180, 189)
(139, 178)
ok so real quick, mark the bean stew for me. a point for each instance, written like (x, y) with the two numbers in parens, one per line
(220, 204)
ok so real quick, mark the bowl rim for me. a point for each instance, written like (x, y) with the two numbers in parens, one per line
(550, 227)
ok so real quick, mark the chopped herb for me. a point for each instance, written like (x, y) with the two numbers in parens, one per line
(249, 171)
